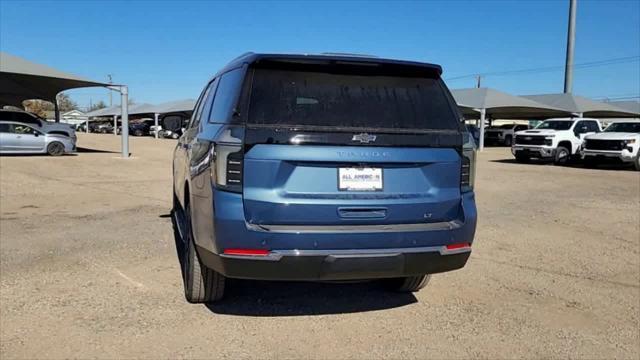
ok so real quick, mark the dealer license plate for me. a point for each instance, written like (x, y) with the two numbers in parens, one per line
(360, 179)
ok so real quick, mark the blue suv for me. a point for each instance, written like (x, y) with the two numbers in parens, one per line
(323, 167)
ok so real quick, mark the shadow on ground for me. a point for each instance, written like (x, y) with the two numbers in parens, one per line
(88, 150)
(286, 298)
(283, 298)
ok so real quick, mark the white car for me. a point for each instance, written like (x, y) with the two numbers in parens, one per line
(502, 134)
(20, 138)
(620, 140)
(557, 139)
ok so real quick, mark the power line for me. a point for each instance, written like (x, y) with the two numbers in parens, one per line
(585, 65)
(608, 98)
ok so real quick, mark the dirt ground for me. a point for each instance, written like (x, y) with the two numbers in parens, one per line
(89, 270)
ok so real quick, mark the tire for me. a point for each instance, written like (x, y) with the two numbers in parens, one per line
(201, 284)
(522, 158)
(408, 284)
(562, 157)
(137, 133)
(636, 163)
(103, 131)
(55, 148)
(508, 141)
(175, 136)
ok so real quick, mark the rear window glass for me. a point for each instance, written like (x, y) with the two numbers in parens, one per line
(225, 96)
(305, 98)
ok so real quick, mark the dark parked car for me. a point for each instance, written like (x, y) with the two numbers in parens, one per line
(139, 128)
(101, 127)
(341, 168)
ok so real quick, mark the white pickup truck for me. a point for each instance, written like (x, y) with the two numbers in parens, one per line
(502, 134)
(619, 141)
(558, 139)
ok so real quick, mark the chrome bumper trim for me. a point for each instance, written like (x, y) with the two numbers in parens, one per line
(324, 229)
(276, 255)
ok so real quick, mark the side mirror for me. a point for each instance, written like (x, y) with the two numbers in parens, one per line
(36, 134)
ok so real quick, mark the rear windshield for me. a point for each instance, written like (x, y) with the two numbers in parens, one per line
(320, 99)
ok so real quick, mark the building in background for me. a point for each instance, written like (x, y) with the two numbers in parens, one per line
(73, 117)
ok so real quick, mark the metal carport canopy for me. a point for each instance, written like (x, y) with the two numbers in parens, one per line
(499, 105)
(117, 111)
(582, 106)
(108, 111)
(21, 80)
(175, 106)
(633, 106)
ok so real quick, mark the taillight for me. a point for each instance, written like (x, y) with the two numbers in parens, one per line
(468, 164)
(228, 167)
(226, 172)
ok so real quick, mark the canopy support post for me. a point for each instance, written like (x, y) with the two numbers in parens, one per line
(124, 92)
(155, 121)
(124, 115)
(115, 125)
(86, 127)
(483, 112)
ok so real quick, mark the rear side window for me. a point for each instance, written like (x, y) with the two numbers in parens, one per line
(305, 98)
(226, 96)
(204, 100)
(5, 128)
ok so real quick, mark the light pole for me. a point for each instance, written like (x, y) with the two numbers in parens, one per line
(110, 82)
(571, 38)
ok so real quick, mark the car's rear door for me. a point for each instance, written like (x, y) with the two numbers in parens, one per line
(7, 137)
(332, 148)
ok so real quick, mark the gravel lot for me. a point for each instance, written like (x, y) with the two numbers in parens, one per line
(89, 270)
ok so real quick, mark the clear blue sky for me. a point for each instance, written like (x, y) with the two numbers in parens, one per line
(167, 50)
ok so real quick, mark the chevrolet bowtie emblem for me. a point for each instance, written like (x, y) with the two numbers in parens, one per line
(364, 138)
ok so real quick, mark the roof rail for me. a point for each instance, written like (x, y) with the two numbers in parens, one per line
(348, 54)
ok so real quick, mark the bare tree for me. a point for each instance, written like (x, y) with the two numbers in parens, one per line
(99, 105)
(40, 107)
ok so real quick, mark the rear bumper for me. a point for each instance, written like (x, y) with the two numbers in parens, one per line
(333, 252)
(336, 264)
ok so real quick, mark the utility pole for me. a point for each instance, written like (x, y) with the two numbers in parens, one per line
(478, 79)
(571, 38)
(110, 82)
